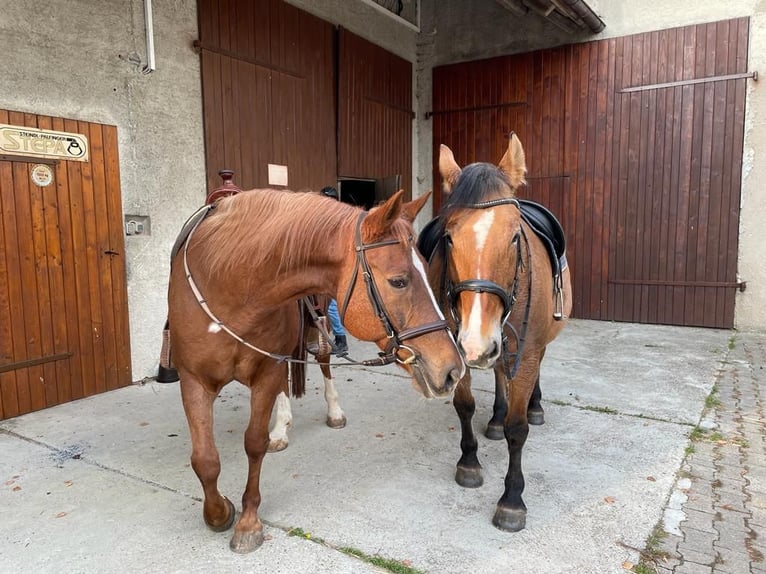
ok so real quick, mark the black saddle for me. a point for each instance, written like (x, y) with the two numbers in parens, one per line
(540, 220)
(195, 218)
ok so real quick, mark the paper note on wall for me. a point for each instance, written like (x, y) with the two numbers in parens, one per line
(277, 174)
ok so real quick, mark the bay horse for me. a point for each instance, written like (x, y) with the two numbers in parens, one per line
(242, 263)
(506, 295)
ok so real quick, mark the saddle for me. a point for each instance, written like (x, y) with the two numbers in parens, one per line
(540, 220)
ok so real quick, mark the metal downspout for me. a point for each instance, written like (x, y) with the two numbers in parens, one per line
(149, 25)
(586, 14)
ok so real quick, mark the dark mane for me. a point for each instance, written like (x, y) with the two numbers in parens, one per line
(477, 182)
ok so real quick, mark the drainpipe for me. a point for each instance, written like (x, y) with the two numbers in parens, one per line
(149, 25)
(586, 14)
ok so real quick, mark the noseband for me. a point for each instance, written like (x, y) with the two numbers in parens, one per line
(395, 338)
(507, 298)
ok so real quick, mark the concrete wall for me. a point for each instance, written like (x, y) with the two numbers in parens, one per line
(446, 37)
(81, 59)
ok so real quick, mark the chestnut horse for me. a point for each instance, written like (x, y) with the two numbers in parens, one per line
(505, 299)
(244, 262)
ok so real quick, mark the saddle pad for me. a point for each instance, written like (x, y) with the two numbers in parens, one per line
(196, 217)
(549, 230)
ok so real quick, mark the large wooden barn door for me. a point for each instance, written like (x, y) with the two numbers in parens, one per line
(374, 112)
(636, 144)
(268, 86)
(63, 299)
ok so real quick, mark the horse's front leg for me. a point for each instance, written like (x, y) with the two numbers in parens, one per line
(335, 417)
(468, 472)
(217, 510)
(248, 532)
(511, 512)
(499, 410)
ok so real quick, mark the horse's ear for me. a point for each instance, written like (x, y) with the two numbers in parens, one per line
(380, 218)
(514, 162)
(411, 209)
(448, 168)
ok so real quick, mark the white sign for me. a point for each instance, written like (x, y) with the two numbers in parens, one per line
(277, 174)
(33, 142)
(42, 174)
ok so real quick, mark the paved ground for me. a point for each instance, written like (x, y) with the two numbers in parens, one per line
(104, 484)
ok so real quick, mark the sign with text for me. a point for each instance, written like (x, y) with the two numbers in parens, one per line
(48, 144)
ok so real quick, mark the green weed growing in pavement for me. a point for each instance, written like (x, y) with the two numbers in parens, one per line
(717, 437)
(697, 433)
(652, 553)
(689, 450)
(732, 341)
(394, 566)
(712, 400)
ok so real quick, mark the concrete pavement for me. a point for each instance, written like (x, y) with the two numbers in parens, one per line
(104, 484)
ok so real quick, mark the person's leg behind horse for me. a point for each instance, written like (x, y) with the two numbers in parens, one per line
(341, 343)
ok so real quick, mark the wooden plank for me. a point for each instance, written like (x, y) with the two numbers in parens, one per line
(56, 281)
(9, 399)
(71, 312)
(117, 263)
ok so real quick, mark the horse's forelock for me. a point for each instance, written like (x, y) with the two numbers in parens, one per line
(478, 182)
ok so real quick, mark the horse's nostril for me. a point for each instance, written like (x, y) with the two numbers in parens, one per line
(495, 350)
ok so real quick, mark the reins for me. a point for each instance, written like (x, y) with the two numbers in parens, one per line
(390, 355)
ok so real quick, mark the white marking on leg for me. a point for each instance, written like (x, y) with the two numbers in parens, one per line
(334, 412)
(283, 420)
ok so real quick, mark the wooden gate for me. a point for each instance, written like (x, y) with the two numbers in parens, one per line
(63, 300)
(636, 143)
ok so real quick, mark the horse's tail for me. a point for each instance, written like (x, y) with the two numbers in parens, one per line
(298, 367)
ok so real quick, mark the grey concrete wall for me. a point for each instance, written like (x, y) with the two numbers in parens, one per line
(81, 59)
(448, 36)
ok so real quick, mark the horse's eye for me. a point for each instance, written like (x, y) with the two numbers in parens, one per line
(399, 282)
(515, 239)
(448, 239)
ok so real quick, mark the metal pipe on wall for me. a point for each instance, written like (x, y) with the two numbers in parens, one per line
(587, 14)
(149, 25)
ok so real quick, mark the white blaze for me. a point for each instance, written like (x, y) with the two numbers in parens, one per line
(419, 266)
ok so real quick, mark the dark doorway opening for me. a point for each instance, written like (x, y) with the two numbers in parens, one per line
(359, 192)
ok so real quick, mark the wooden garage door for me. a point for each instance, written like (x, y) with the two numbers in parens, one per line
(374, 112)
(268, 87)
(63, 300)
(636, 143)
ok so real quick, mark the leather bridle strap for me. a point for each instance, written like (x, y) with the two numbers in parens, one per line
(394, 339)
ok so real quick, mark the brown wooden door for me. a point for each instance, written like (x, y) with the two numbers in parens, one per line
(63, 300)
(374, 112)
(636, 144)
(268, 87)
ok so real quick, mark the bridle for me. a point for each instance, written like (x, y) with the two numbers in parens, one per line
(395, 338)
(452, 291)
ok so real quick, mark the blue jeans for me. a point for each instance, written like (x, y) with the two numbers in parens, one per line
(332, 313)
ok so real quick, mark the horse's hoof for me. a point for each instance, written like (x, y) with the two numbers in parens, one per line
(536, 416)
(469, 477)
(336, 423)
(510, 519)
(244, 542)
(226, 524)
(495, 432)
(277, 445)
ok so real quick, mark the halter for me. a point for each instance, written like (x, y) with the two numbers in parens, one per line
(394, 345)
(394, 338)
(508, 298)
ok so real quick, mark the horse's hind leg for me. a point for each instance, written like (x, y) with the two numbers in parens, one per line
(499, 410)
(335, 417)
(535, 412)
(468, 472)
(283, 420)
(217, 510)
(248, 532)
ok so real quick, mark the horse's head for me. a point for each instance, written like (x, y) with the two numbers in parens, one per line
(482, 249)
(385, 297)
